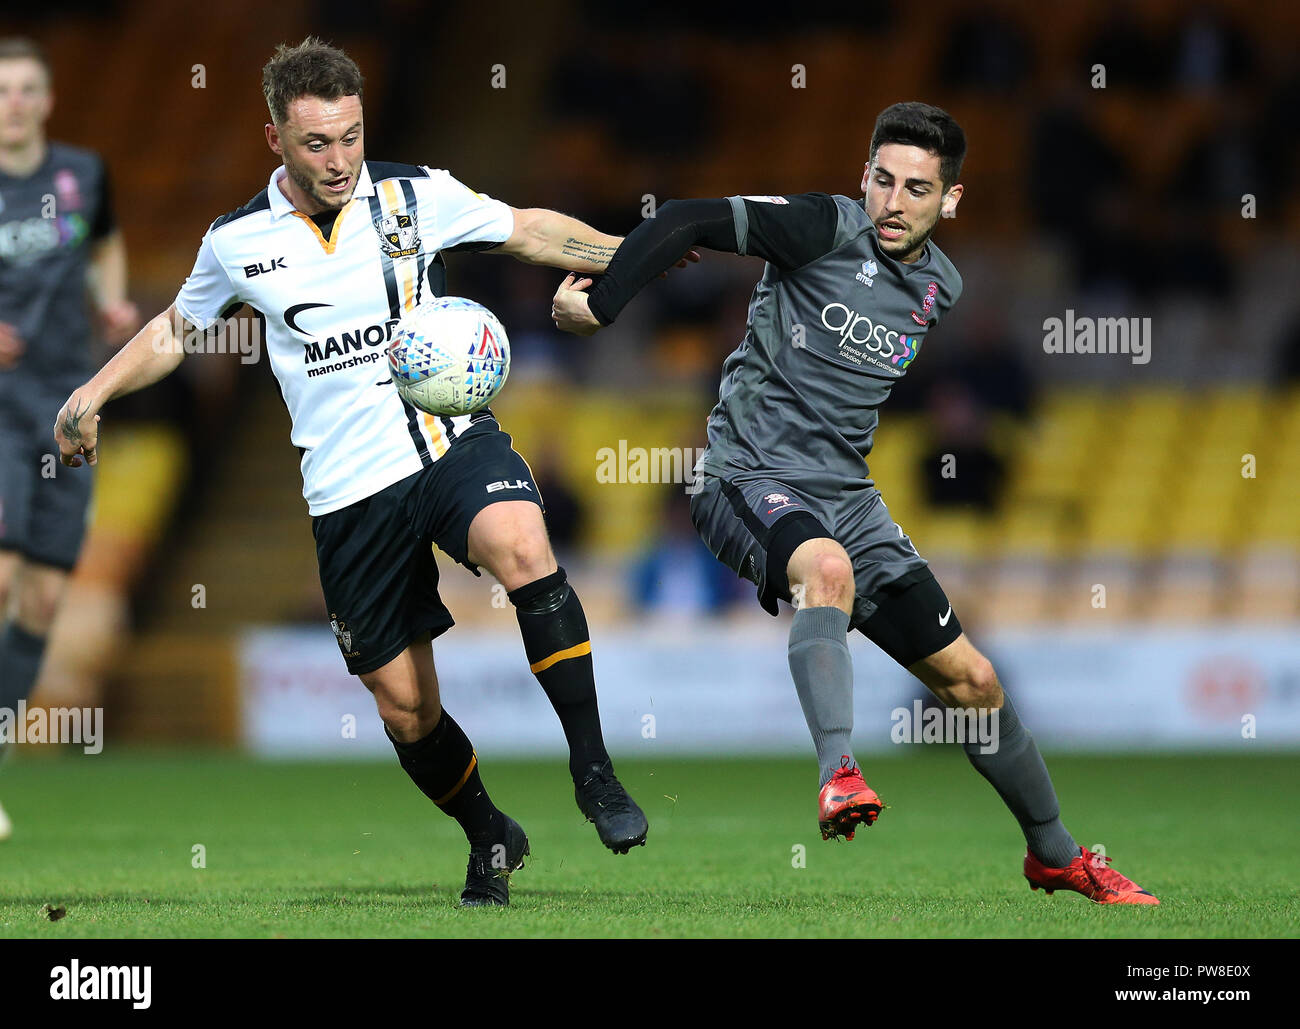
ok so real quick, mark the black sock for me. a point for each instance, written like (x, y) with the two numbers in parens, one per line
(445, 767)
(558, 646)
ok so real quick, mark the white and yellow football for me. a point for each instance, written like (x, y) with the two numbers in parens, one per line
(449, 356)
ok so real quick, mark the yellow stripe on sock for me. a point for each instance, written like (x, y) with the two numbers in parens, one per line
(463, 779)
(581, 650)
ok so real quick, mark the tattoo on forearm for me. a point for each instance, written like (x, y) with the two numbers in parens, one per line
(597, 253)
(77, 409)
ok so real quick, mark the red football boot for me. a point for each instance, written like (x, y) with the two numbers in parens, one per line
(1089, 874)
(846, 802)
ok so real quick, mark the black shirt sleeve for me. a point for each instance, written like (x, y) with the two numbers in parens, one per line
(104, 223)
(656, 245)
(788, 231)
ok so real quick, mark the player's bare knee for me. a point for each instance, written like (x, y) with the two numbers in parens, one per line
(532, 557)
(829, 582)
(525, 559)
(986, 684)
(409, 712)
(978, 686)
(8, 569)
(37, 607)
(408, 716)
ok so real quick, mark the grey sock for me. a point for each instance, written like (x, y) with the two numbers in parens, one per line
(20, 661)
(1017, 772)
(823, 678)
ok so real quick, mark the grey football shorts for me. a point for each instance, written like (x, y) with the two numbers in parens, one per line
(43, 504)
(753, 525)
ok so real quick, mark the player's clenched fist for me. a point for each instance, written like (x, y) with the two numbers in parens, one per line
(76, 431)
(569, 309)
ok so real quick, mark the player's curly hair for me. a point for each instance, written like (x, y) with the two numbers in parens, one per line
(312, 68)
(931, 128)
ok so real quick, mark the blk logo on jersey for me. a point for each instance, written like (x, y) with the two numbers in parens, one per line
(263, 267)
(399, 236)
(497, 487)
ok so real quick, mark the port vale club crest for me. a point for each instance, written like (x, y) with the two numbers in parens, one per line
(343, 633)
(399, 236)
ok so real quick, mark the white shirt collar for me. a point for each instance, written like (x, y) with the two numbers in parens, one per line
(280, 204)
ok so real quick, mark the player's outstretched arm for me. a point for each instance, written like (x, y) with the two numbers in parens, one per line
(550, 238)
(653, 247)
(152, 354)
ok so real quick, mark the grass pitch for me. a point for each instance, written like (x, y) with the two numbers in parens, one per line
(354, 850)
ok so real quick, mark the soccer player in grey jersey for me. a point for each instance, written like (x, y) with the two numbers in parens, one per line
(57, 241)
(849, 296)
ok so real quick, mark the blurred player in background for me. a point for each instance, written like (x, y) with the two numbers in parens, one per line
(849, 294)
(338, 248)
(58, 242)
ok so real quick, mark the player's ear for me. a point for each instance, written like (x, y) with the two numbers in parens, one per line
(273, 138)
(950, 201)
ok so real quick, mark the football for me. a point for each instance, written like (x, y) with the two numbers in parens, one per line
(449, 356)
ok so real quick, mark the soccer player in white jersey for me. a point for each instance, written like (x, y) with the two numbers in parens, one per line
(331, 253)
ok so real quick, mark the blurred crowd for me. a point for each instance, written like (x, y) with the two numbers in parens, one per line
(1137, 186)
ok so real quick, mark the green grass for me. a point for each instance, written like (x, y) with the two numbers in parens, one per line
(353, 850)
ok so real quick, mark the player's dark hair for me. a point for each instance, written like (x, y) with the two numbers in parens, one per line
(916, 124)
(13, 48)
(312, 68)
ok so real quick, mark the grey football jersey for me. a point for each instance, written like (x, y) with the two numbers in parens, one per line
(48, 221)
(833, 324)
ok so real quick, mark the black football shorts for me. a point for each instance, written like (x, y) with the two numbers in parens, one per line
(376, 560)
